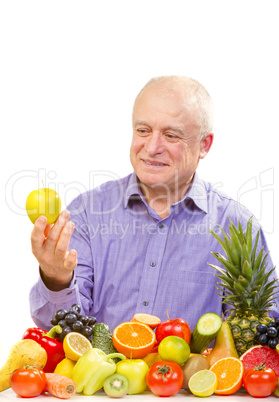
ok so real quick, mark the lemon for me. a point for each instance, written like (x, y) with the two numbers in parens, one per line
(203, 383)
(277, 348)
(75, 345)
(152, 358)
(65, 367)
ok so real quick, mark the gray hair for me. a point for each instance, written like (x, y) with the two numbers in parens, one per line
(196, 97)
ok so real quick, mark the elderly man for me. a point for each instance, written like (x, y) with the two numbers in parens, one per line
(142, 243)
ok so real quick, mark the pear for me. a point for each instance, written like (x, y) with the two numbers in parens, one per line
(24, 353)
(223, 346)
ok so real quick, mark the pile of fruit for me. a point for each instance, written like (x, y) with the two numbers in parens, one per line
(141, 354)
(79, 355)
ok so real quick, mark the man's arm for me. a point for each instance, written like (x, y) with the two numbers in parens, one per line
(48, 295)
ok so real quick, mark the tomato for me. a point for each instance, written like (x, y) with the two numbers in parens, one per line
(28, 381)
(260, 381)
(165, 378)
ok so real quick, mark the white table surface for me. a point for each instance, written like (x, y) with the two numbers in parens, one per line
(9, 395)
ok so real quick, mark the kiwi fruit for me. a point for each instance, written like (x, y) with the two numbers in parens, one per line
(116, 385)
(195, 363)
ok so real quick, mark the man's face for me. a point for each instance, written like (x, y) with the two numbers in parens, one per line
(165, 149)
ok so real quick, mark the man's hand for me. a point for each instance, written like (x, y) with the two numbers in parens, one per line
(50, 247)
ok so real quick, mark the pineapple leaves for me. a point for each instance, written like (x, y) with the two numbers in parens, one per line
(253, 256)
(233, 271)
(258, 260)
(247, 270)
(248, 236)
(244, 282)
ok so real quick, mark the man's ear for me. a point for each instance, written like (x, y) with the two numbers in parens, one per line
(206, 143)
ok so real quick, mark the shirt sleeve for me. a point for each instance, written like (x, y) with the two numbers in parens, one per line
(44, 302)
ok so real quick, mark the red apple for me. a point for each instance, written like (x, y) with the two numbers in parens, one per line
(176, 327)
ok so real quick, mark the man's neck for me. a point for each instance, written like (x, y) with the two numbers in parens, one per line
(161, 200)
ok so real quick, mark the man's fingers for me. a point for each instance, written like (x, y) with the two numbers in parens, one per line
(64, 240)
(38, 235)
(54, 233)
(47, 230)
(70, 261)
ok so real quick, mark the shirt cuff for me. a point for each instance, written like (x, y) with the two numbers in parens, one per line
(65, 294)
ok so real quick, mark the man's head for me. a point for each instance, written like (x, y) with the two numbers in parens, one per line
(172, 124)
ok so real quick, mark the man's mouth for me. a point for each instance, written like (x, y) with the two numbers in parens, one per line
(153, 163)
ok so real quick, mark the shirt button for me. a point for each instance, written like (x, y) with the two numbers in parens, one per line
(145, 303)
(161, 226)
(153, 264)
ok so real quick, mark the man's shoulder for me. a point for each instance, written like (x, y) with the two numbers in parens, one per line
(225, 206)
(116, 184)
(107, 192)
(214, 191)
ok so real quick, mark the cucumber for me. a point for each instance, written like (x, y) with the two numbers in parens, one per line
(102, 338)
(205, 331)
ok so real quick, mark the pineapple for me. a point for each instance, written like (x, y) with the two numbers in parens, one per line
(244, 284)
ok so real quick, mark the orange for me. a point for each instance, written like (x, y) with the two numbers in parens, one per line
(151, 320)
(229, 372)
(133, 339)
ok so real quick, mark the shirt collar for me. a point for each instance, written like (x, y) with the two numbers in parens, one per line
(133, 190)
(197, 192)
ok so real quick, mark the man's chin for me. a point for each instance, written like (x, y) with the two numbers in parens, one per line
(154, 181)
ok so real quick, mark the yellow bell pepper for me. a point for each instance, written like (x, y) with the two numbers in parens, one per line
(92, 368)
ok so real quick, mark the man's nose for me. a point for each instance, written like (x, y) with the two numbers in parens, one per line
(155, 144)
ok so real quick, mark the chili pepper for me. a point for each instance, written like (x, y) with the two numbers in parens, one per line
(54, 348)
(92, 368)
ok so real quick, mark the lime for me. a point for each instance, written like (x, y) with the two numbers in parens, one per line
(174, 349)
(203, 383)
(276, 392)
(65, 367)
(75, 345)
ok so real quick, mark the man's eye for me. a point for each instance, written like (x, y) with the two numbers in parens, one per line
(171, 137)
(142, 131)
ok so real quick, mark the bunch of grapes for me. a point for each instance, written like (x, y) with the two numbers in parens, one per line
(72, 321)
(268, 335)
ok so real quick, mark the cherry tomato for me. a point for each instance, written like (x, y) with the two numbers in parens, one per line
(260, 381)
(165, 378)
(28, 381)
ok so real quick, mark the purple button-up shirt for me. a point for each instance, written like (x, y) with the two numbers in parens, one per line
(132, 261)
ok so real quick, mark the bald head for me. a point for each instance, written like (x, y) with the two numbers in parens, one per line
(194, 98)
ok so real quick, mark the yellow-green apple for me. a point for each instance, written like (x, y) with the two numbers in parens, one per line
(43, 201)
(135, 370)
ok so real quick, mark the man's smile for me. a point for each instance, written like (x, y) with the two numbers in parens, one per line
(154, 163)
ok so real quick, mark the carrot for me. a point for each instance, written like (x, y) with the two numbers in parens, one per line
(60, 386)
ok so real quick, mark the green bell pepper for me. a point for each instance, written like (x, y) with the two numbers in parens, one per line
(92, 368)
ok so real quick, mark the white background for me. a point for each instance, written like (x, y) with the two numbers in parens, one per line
(69, 74)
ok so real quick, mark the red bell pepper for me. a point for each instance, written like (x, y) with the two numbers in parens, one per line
(54, 348)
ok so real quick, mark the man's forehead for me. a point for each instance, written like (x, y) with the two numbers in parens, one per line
(164, 95)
